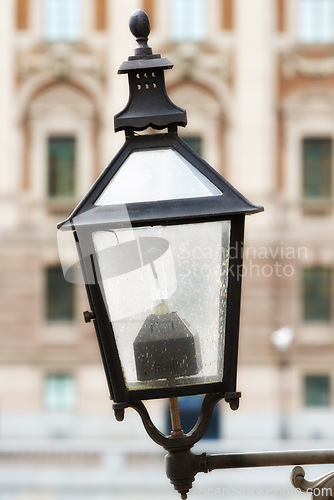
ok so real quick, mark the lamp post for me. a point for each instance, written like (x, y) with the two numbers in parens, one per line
(282, 339)
(154, 236)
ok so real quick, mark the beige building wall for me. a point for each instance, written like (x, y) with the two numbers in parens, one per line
(252, 93)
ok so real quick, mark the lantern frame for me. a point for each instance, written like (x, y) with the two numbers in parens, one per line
(89, 217)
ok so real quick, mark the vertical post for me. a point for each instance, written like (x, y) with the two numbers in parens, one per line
(175, 417)
(283, 424)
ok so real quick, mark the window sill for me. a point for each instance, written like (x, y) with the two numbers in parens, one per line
(60, 332)
(317, 207)
(316, 333)
(59, 207)
(315, 48)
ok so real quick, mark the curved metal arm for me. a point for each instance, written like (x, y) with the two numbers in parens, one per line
(269, 459)
(154, 433)
(322, 487)
(182, 465)
(204, 419)
(186, 441)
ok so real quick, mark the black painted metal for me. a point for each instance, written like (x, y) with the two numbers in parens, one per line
(140, 27)
(149, 104)
(182, 465)
(166, 212)
(269, 459)
(186, 441)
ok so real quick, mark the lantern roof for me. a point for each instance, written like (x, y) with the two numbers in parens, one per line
(158, 178)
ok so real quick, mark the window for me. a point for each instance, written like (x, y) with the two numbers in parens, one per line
(316, 21)
(190, 407)
(188, 20)
(195, 142)
(61, 167)
(317, 289)
(59, 296)
(59, 392)
(317, 167)
(317, 390)
(62, 20)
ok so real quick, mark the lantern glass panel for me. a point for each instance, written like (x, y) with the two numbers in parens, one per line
(155, 175)
(165, 291)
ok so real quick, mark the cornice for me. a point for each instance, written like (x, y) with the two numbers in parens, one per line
(62, 59)
(294, 64)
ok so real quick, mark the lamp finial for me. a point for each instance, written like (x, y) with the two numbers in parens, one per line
(149, 104)
(140, 27)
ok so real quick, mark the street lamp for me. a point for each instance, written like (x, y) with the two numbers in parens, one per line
(154, 235)
(282, 339)
(159, 238)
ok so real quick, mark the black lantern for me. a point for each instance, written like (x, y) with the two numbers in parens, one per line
(160, 238)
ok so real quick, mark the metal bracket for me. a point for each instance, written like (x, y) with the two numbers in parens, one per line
(233, 399)
(321, 488)
(182, 465)
(185, 441)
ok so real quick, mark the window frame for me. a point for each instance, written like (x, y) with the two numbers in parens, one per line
(310, 197)
(53, 402)
(55, 30)
(308, 318)
(180, 25)
(308, 32)
(308, 393)
(72, 192)
(49, 294)
(305, 113)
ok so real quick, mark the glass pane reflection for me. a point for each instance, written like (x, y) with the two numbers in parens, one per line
(165, 289)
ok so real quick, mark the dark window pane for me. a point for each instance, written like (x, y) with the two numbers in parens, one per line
(190, 407)
(59, 394)
(195, 142)
(317, 390)
(59, 296)
(317, 168)
(317, 290)
(61, 166)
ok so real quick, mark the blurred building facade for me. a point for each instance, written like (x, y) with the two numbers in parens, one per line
(257, 81)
